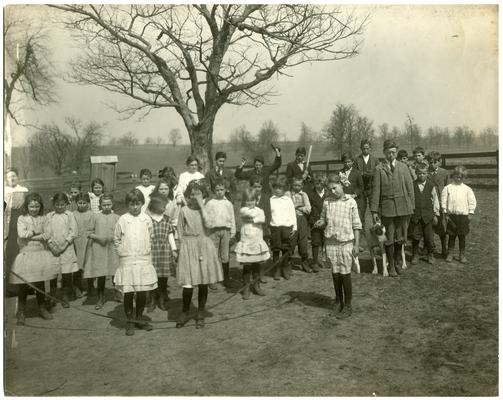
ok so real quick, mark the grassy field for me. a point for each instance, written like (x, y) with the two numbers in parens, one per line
(431, 332)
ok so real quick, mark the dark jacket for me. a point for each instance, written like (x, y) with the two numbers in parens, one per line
(392, 192)
(293, 171)
(265, 173)
(230, 182)
(356, 184)
(367, 171)
(316, 204)
(440, 178)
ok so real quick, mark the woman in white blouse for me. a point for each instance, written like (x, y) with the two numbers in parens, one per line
(191, 174)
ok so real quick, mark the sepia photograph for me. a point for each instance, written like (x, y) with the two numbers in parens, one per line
(250, 200)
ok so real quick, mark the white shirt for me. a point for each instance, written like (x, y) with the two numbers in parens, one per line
(146, 191)
(183, 182)
(221, 214)
(283, 212)
(366, 158)
(458, 199)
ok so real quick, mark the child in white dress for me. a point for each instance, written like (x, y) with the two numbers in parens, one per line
(145, 188)
(135, 273)
(251, 249)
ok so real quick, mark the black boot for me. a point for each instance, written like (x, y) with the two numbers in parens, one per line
(390, 253)
(348, 294)
(202, 297)
(226, 271)
(398, 258)
(186, 300)
(339, 304)
(141, 299)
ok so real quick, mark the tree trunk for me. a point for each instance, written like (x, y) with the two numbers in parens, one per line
(201, 143)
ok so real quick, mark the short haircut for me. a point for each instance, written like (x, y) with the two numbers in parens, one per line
(76, 185)
(134, 196)
(28, 199)
(84, 197)
(219, 182)
(334, 179)
(461, 171)
(191, 159)
(249, 194)
(220, 154)
(418, 149)
(107, 196)
(388, 144)
(364, 142)
(259, 159)
(301, 150)
(95, 181)
(346, 156)
(434, 156)
(59, 196)
(145, 172)
(298, 179)
(422, 166)
(196, 184)
(255, 179)
(157, 202)
(401, 154)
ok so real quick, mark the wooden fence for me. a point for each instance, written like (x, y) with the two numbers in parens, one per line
(482, 168)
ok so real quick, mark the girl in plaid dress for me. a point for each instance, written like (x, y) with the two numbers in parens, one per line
(163, 251)
(339, 216)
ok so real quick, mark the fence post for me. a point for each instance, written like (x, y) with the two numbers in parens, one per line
(327, 167)
(443, 161)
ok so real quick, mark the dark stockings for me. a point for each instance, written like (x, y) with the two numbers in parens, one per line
(337, 279)
(316, 253)
(348, 289)
(163, 284)
(23, 294)
(462, 242)
(202, 297)
(101, 285)
(77, 279)
(186, 299)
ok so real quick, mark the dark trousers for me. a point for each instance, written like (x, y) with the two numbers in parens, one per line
(422, 230)
(301, 236)
(280, 238)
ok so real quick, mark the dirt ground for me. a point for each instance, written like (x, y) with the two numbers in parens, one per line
(431, 331)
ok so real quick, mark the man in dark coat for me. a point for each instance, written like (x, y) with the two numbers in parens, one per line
(260, 170)
(393, 200)
(366, 164)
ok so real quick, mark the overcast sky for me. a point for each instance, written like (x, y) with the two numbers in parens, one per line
(437, 63)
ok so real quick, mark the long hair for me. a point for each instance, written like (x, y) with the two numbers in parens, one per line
(28, 199)
(165, 181)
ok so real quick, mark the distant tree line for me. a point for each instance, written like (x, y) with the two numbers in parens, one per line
(346, 127)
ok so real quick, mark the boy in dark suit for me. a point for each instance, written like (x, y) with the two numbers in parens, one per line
(426, 213)
(218, 172)
(366, 164)
(393, 200)
(297, 168)
(440, 178)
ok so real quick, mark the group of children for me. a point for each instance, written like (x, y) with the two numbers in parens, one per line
(190, 225)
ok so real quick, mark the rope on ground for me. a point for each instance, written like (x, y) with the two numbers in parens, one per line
(48, 296)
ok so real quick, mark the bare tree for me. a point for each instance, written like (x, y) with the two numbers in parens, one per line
(52, 147)
(174, 136)
(242, 139)
(28, 72)
(128, 139)
(197, 58)
(83, 139)
(159, 140)
(149, 140)
(307, 135)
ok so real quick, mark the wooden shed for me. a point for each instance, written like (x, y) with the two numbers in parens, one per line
(104, 167)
